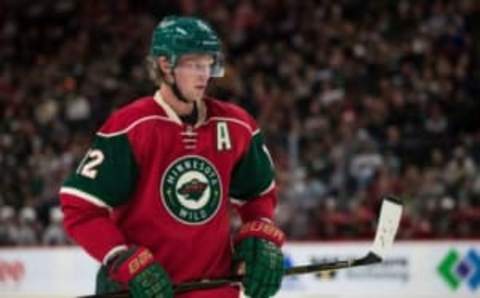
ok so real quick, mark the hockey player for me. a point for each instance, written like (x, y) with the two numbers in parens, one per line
(151, 198)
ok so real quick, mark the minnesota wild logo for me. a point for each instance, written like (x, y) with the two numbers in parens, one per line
(191, 190)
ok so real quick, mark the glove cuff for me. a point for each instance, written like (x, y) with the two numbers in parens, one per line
(261, 229)
(127, 264)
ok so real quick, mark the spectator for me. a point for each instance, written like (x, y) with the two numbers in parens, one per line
(54, 233)
(378, 99)
(8, 226)
(28, 230)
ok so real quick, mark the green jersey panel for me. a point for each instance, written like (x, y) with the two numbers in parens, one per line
(108, 171)
(254, 173)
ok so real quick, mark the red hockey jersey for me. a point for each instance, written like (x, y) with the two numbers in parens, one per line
(151, 180)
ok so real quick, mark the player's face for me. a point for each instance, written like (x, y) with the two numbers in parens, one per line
(192, 73)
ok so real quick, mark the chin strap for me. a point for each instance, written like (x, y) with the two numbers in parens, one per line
(175, 88)
(192, 118)
(177, 92)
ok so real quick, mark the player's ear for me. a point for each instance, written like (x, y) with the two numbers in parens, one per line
(165, 69)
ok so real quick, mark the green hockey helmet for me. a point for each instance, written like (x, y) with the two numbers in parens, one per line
(176, 36)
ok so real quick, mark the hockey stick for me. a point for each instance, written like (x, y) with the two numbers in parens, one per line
(389, 220)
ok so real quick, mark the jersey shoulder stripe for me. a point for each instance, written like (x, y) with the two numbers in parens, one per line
(133, 125)
(130, 116)
(236, 121)
(224, 111)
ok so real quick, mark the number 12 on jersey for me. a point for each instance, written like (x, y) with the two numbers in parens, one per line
(88, 165)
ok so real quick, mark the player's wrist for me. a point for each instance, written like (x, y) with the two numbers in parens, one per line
(261, 229)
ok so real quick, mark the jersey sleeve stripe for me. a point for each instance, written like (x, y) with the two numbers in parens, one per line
(265, 149)
(237, 202)
(266, 219)
(240, 202)
(131, 126)
(85, 196)
(269, 188)
(113, 252)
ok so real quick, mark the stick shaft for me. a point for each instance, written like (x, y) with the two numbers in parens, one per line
(386, 231)
(369, 259)
(215, 283)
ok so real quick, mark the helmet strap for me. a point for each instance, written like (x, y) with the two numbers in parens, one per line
(177, 92)
(192, 118)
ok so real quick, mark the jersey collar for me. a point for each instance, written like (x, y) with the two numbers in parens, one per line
(172, 115)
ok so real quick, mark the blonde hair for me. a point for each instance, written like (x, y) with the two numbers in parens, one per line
(153, 70)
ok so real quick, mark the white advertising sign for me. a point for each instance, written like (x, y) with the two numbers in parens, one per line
(410, 269)
(439, 269)
(43, 272)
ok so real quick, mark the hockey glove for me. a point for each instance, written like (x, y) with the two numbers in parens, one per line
(104, 284)
(257, 246)
(145, 278)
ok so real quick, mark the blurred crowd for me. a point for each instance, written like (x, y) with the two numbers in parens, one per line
(357, 100)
